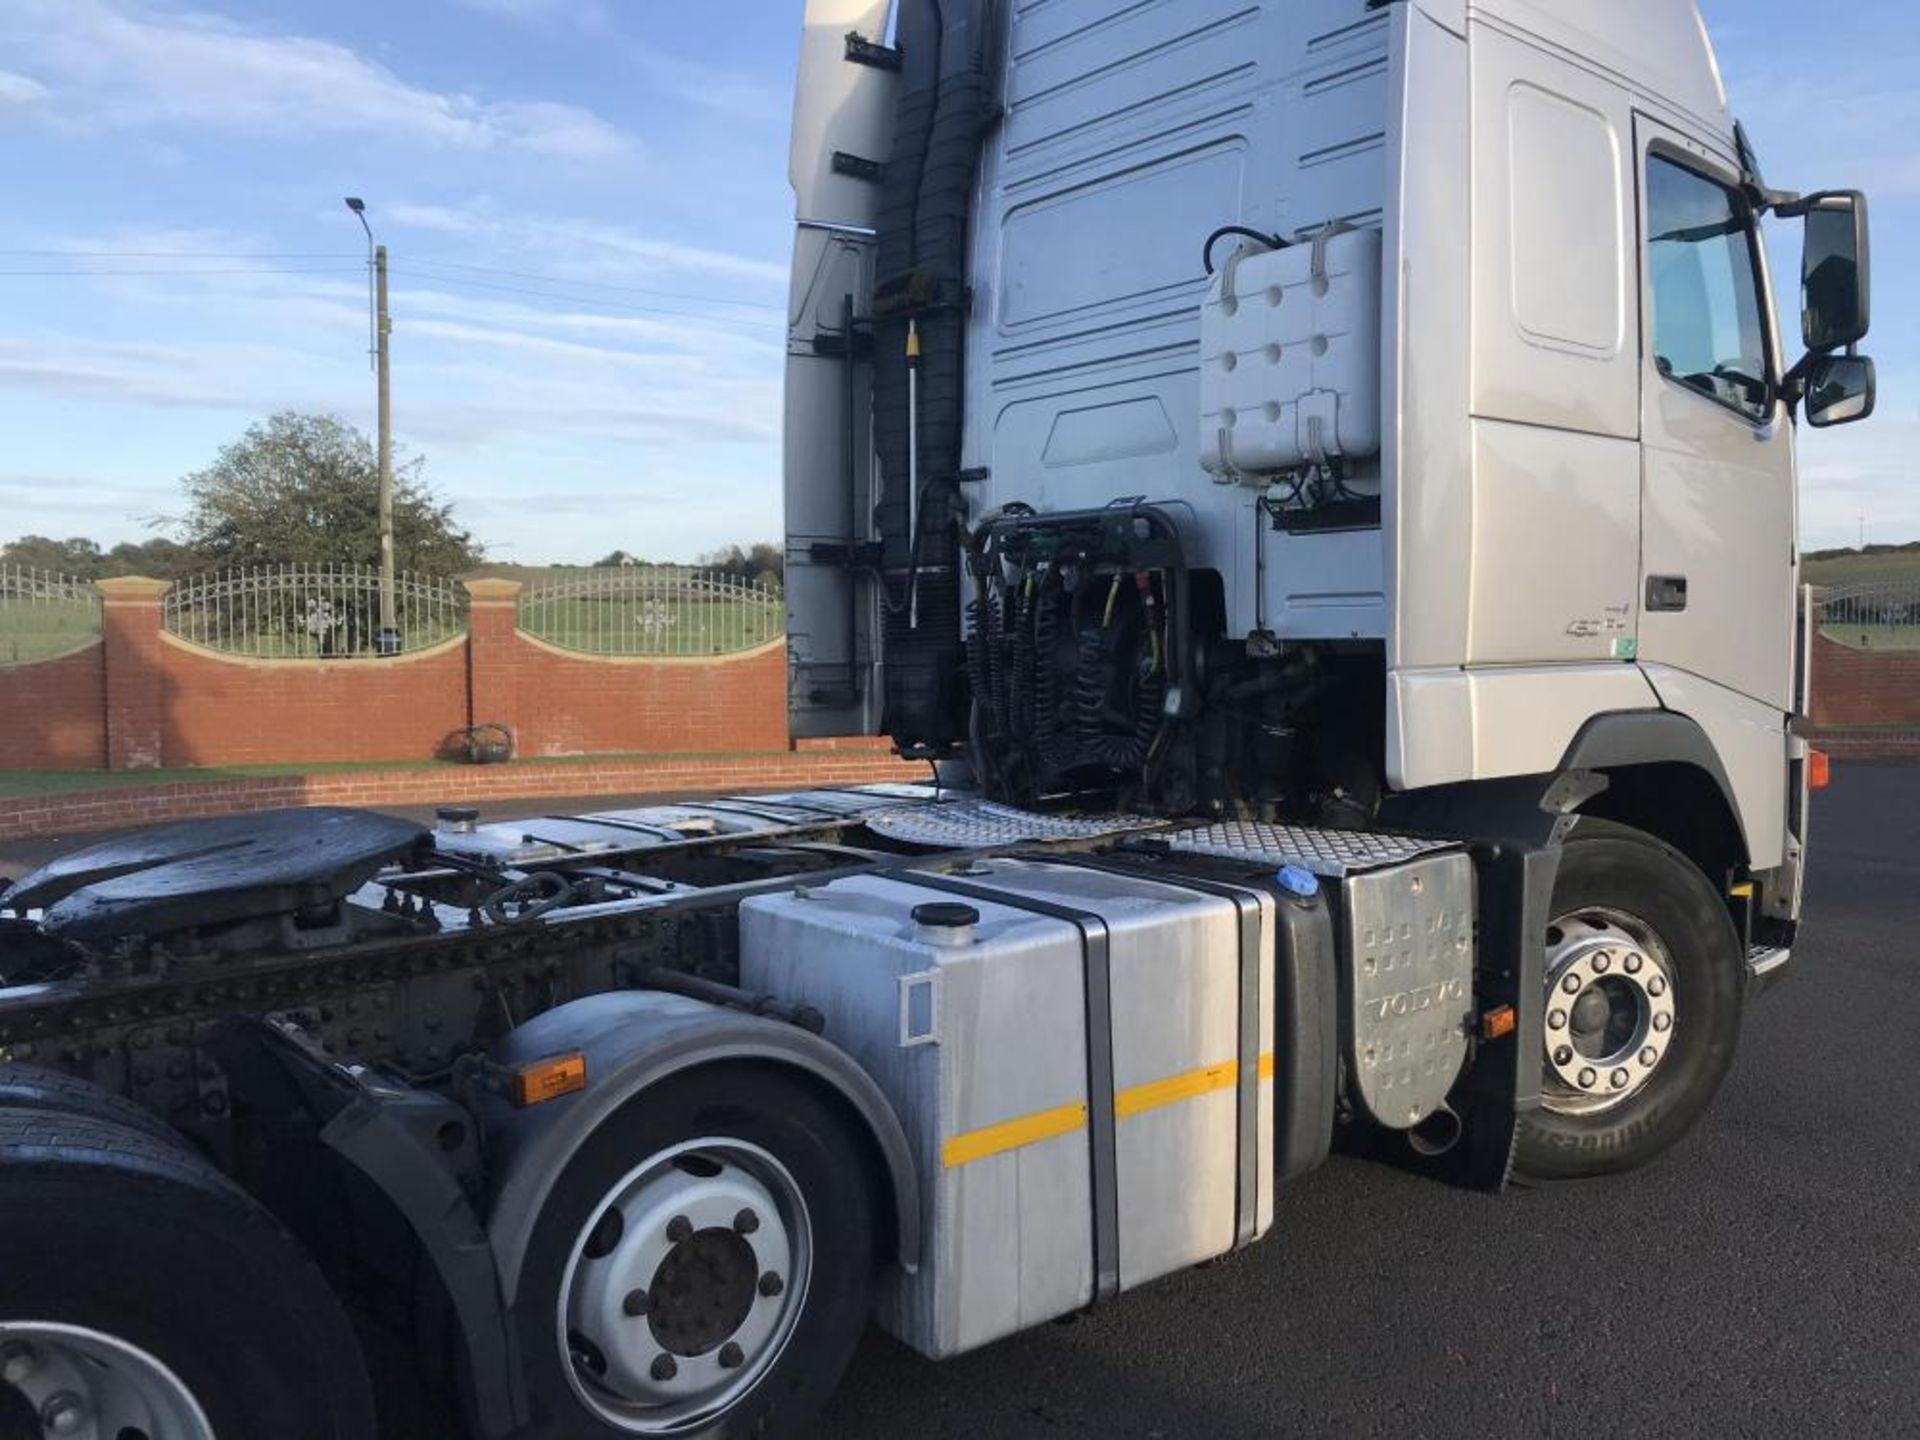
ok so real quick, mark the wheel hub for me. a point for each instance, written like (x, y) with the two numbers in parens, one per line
(82, 1384)
(685, 1286)
(1610, 1011)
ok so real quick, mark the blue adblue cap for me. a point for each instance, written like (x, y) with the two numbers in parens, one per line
(1298, 881)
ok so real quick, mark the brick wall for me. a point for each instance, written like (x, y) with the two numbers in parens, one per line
(218, 710)
(145, 700)
(53, 713)
(1854, 686)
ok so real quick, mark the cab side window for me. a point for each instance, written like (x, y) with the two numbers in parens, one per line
(1708, 334)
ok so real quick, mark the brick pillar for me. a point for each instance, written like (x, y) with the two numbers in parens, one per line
(136, 681)
(493, 651)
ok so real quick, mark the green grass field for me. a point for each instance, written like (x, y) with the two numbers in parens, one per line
(42, 629)
(627, 626)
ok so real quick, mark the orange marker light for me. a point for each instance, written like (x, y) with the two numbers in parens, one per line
(539, 1081)
(1498, 1023)
(1819, 770)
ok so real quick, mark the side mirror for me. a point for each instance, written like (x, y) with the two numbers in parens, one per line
(1835, 295)
(1840, 390)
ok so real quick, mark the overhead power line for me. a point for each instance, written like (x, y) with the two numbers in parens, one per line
(593, 302)
(189, 254)
(702, 299)
(189, 274)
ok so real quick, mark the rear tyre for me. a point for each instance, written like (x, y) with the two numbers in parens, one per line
(35, 1087)
(145, 1297)
(703, 1267)
(1642, 1008)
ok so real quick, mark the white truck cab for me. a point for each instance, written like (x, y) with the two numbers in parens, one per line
(1368, 413)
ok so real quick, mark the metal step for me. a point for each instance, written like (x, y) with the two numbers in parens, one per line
(983, 825)
(1333, 854)
(1765, 959)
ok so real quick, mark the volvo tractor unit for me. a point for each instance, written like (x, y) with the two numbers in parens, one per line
(1314, 481)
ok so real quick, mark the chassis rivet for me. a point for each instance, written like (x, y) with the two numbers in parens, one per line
(665, 1367)
(771, 1284)
(732, 1357)
(1663, 1023)
(1649, 1056)
(1557, 1020)
(746, 1222)
(1587, 1077)
(679, 1229)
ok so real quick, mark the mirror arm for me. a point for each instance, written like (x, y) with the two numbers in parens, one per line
(1793, 384)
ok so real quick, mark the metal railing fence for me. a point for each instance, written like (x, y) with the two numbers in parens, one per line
(652, 610)
(43, 614)
(312, 612)
(1872, 614)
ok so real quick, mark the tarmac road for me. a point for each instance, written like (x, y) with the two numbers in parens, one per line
(1761, 1280)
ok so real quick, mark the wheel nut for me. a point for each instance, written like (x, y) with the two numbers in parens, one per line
(1557, 1020)
(1587, 1077)
(771, 1284)
(1634, 962)
(63, 1414)
(17, 1362)
(1563, 1055)
(746, 1222)
(1620, 1079)
(1602, 963)
(664, 1368)
(679, 1229)
(732, 1357)
(1571, 984)
(1663, 1023)
(1649, 1056)
(636, 1303)
(1657, 986)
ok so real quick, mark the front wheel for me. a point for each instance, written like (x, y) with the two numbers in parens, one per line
(703, 1267)
(1643, 1003)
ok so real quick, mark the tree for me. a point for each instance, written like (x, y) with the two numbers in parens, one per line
(78, 558)
(305, 488)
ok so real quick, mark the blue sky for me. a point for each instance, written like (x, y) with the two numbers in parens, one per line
(587, 205)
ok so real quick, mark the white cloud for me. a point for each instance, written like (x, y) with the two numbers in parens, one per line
(585, 249)
(119, 64)
(17, 89)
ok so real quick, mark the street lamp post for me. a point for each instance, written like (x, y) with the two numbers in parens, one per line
(387, 639)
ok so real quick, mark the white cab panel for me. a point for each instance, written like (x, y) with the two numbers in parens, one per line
(1131, 132)
(1553, 242)
(1556, 538)
(1449, 725)
(1751, 740)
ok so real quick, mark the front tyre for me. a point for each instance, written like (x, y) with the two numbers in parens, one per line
(703, 1267)
(1643, 1003)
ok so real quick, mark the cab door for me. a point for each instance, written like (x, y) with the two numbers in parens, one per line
(1718, 510)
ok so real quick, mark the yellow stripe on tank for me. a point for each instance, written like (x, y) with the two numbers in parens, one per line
(1026, 1130)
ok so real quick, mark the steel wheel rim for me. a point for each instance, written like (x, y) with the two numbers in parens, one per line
(1610, 1016)
(85, 1384)
(684, 1286)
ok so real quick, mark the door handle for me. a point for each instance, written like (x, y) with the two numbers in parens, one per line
(1666, 592)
